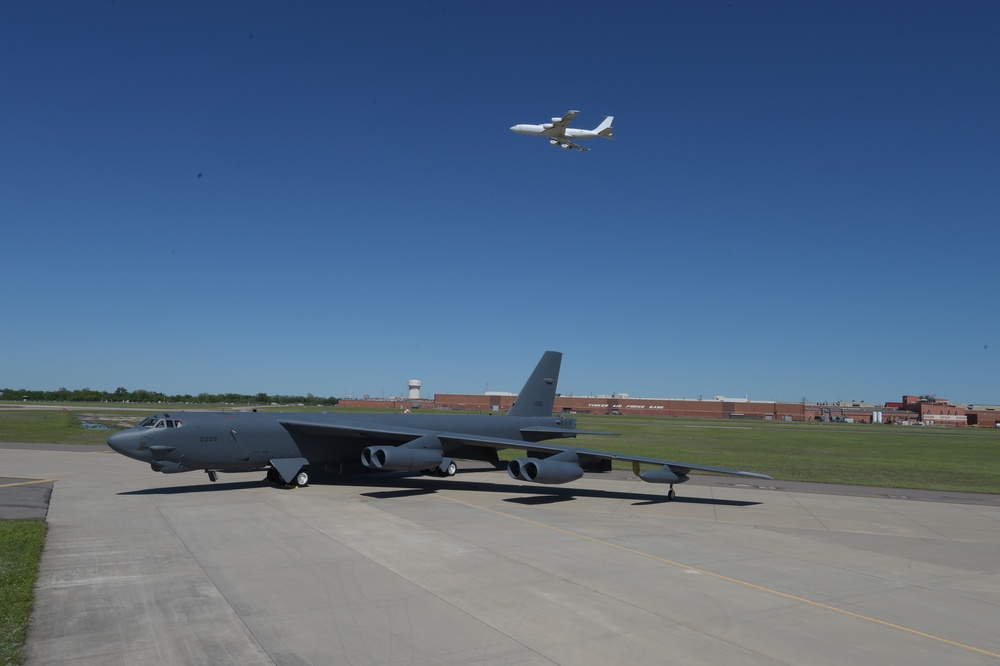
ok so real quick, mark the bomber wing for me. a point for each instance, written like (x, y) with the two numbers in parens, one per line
(585, 456)
(358, 429)
(363, 430)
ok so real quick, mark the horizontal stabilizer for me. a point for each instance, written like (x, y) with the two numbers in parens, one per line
(529, 431)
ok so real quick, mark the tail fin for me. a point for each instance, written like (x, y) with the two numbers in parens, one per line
(605, 128)
(539, 392)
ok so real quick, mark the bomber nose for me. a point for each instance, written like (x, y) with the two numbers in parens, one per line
(126, 443)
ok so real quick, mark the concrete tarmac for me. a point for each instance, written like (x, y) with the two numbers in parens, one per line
(145, 568)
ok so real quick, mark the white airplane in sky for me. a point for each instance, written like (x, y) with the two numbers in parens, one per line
(559, 132)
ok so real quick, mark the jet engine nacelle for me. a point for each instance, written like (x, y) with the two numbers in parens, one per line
(400, 458)
(549, 125)
(553, 142)
(557, 120)
(169, 467)
(566, 146)
(549, 470)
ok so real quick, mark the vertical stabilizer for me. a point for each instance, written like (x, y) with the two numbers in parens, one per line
(605, 129)
(539, 393)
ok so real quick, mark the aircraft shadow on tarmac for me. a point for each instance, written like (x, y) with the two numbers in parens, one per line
(535, 496)
(200, 488)
(401, 486)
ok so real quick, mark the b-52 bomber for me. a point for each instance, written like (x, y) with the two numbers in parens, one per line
(290, 445)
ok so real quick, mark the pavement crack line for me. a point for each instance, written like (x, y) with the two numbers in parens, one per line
(729, 579)
(208, 577)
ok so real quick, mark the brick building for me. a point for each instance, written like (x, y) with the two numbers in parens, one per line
(912, 409)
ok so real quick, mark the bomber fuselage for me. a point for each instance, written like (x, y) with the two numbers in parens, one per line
(247, 440)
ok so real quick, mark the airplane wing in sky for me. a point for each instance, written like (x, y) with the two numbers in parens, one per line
(565, 120)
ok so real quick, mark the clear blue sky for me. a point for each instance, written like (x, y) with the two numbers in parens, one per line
(802, 199)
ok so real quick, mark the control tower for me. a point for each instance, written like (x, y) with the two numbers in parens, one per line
(414, 385)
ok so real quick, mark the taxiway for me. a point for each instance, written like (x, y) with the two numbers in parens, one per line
(143, 568)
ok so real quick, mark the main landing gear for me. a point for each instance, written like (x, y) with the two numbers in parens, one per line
(446, 468)
(299, 480)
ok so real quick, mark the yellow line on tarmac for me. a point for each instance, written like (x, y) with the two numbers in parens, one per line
(817, 604)
(25, 483)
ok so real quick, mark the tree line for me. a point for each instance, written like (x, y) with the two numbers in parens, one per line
(123, 395)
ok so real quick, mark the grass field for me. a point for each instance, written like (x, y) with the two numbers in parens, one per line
(20, 550)
(935, 458)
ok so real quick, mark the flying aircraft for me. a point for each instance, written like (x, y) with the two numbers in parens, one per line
(289, 445)
(560, 133)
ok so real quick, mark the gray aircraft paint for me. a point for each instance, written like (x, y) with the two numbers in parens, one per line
(292, 445)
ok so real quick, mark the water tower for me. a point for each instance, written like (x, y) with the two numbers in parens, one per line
(414, 385)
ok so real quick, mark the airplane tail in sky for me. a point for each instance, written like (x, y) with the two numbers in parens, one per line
(605, 128)
(539, 393)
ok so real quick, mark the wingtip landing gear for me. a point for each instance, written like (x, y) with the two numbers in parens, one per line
(213, 476)
(671, 495)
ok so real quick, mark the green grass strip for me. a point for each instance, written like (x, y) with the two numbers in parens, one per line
(21, 544)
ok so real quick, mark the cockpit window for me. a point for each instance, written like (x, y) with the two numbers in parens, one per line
(160, 422)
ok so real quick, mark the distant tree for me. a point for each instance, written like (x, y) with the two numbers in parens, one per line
(121, 394)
